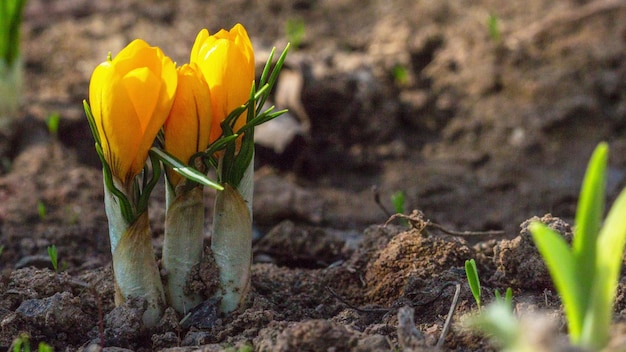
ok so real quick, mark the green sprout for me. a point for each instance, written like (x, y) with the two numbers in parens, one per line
(1, 249)
(401, 75)
(54, 258)
(44, 347)
(52, 121)
(586, 274)
(41, 210)
(494, 28)
(295, 32)
(499, 322)
(472, 279)
(22, 344)
(398, 201)
(508, 297)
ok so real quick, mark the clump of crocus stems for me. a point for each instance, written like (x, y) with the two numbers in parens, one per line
(225, 59)
(11, 65)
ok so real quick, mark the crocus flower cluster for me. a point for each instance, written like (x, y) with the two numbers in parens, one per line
(134, 96)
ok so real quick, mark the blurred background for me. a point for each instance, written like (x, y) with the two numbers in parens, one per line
(483, 113)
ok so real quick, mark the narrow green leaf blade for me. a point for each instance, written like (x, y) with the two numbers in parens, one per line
(184, 170)
(589, 217)
(562, 267)
(472, 279)
(611, 242)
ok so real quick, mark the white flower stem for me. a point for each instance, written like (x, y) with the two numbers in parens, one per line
(183, 245)
(134, 265)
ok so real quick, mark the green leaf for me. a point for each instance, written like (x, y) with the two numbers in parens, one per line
(184, 170)
(611, 242)
(10, 20)
(398, 200)
(273, 76)
(561, 264)
(508, 297)
(44, 347)
(589, 217)
(54, 259)
(92, 122)
(52, 121)
(148, 186)
(472, 279)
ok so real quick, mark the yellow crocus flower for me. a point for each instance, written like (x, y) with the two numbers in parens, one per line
(188, 127)
(130, 97)
(226, 60)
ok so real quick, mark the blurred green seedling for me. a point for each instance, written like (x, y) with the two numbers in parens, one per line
(401, 75)
(54, 258)
(398, 201)
(52, 122)
(507, 299)
(502, 326)
(295, 30)
(586, 273)
(41, 210)
(472, 279)
(493, 26)
(22, 344)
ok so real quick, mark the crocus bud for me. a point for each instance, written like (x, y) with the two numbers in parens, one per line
(188, 127)
(226, 60)
(130, 97)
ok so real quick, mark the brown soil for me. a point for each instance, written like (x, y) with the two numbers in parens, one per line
(480, 133)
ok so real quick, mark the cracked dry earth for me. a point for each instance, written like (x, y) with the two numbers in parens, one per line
(480, 133)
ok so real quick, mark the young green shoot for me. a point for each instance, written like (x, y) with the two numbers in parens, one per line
(399, 205)
(295, 30)
(472, 279)
(507, 299)
(52, 122)
(494, 28)
(401, 75)
(398, 200)
(54, 258)
(498, 321)
(41, 210)
(586, 273)
(22, 344)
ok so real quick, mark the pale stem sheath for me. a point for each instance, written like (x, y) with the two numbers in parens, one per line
(183, 245)
(231, 244)
(134, 265)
